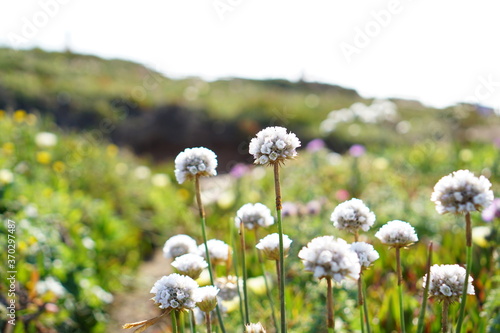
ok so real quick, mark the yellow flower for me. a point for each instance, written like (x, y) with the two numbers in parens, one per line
(8, 148)
(31, 119)
(112, 150)
(59, 166)
(43, 157)
(2, 114)
(19, 116)
(183, 193)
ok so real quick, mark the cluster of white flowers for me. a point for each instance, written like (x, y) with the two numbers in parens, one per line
(207, 298)
(447, 282)
(397, 233)
(6, 177)
(50, 285)
(45, 139)
(190, 264)
(273, 145)
(178, 245)
(218, 250)
(366, 253)
(462, 192)
(254, 328)
(327, 256)
(228, 287)
(352, 215)
(194, 162)
(254, 216)
(270, 246)
(175, 291)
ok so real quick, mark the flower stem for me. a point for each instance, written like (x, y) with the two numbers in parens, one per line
(329, 305)
(468, 238)
(180, 322)
(400, 289)
(444, 318)
(360, 300)
(281, 277)
(421, 317)
(202, 218)
(173, 315)
(243, 267)
(236, 265)
(192, 322)
(209, 322)
(365, 306)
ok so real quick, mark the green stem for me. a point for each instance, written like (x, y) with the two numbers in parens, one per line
(360, 300)
(192, 322)
(243, 266)
(203, 230)
(173, 315)
(181, 321)
(421, 317)
(361, 319)
(209, 322)
(236, 265)
(400, 289)
(468, 238)
(329, 305)
(281, 279)
(444, 317)
(365, 306)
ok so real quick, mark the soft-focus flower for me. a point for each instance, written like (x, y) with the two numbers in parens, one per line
(228, 287)
(178, 245)
(352, 215)
(194, 162)
(254, 328)
(207, 298)
(462, 192)
(357, 150)
(58, 166)
(239, 170)
(254, 216)
(397, 234)
(289, 209)
(45, 139)
(6, 177)
(342, 195)
(366, 253)
(274, 145)
(313, 207)
(315, 145)
(43, 157)
(218, 250)
(492, 212)
(142, 172)
(327, 256)
(269, 246)
(447, 282)
(160, 180)
(257, 285)
(190, 264)
(175, 291)
(482, 235)
(50, 285)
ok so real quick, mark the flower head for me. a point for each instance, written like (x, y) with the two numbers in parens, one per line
(366, 253)
(397, 234)
(274, 145)
(228, 287)
(447, 282)
(175, 291)
(270, 246)
(218, 250)
(357, 150)
(254, 328)
(178, 245)
(45, 139)
(254, 216)
(352, 215)
(6, 177)
(462, 192)
(207, 298)
(194, 162)
(492, 212)
(327, 256)
(190, 264)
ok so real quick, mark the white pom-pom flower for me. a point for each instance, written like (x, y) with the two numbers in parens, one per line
(207, 298)
(218, 250)
(273, 145)
(447, 282)
(195, 162)
(175, 291)
(178, 245)
(254, 328)
(352, 215)
(190, 264)
(228, 287)
(254, 216)
(397, 234)
(270, 246)
(328, 257)
(366, 253)
(462, 192)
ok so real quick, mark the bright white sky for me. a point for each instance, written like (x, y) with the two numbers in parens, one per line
(437, 51)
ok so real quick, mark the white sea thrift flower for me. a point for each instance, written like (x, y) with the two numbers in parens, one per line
(6, 177)
(270, 246)
(218, 250)
(175, 291)
(50, 285)
(447, 282)
(327, 256)
(254, 328)
(178, 245)
(273, 145)
(45, 139)
(254, 216)
(366, 253)
(228, 287)
(397, 234)
(194, 162)
(462, 192)
(190, 264)
(352, 215)
(208, 298)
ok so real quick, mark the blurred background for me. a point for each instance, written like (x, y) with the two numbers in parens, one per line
(97, 98)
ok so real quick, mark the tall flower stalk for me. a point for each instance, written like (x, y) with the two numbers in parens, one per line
(421, 317)
(273, 146)
(462, 193)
